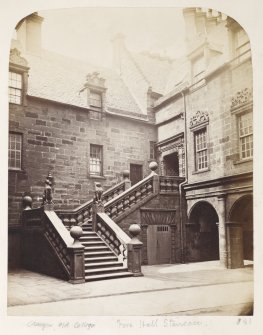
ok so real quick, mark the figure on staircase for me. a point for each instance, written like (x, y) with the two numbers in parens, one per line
(98, 193)
(47, 195)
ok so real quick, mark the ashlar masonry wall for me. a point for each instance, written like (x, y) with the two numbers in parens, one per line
(222, 128)
(57, 138)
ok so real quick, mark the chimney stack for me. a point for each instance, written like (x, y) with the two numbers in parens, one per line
(118, 43)
(29, 33)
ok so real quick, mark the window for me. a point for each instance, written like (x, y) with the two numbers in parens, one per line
(245, 135)
(15, 88)
(242, 45)
(201, 158)
(15, 151)
(198, 69)
(95, 102)
(152, 150)
(96, 160)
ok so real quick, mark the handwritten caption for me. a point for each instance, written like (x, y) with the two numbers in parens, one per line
(158, 323)
(60, 325)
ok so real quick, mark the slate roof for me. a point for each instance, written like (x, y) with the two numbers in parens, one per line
(162, 74)
(155, 69)
(59, 78)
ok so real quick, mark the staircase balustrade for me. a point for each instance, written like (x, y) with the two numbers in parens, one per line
(83, 213)
(113, 236)
(169, 184)
(130, 197)
(58, 238)
(42, 227)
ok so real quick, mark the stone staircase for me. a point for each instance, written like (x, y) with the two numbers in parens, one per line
(100, 261)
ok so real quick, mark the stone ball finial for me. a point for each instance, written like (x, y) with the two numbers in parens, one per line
(153, 167)
(126, 174)
(76, 232)
(27, 202)
(134, 229)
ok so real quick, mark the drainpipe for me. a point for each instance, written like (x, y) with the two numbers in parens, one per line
(183, 183)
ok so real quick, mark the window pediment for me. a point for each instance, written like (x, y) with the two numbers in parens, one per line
(15, 58)
(200, 118)
(241, 98)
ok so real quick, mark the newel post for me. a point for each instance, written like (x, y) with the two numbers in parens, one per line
(126, 179)
(27, 202)
(135, 251)
(76, 254)
(97, 206)
(156, 185)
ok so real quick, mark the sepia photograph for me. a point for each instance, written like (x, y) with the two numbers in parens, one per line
(130, 167)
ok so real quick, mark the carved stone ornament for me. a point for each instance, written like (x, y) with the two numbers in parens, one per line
(175, 145)
(241, 98)
(15, 58)
(160, 217)
(94, 79)
(199, 118)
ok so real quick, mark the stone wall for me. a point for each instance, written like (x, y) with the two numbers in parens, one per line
(160, 201)
(57, 138)
(222, 128)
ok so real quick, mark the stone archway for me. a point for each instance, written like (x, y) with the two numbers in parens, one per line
(242, 213)
(202, 236)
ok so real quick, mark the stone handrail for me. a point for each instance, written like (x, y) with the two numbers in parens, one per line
(81, 214)
(39, 225)
(130, 197)
(113, 235)
(170, 184)
(58, 237)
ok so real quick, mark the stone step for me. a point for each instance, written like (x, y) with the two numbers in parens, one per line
(89, 233)
(103, 265)
(86, 229)
(89, 238)
(94, 248)
(93, 243)
(98, 253)
(108, 276)
(99, 271)
(89, 259)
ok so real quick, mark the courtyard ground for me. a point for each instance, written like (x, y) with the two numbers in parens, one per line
(173, 289)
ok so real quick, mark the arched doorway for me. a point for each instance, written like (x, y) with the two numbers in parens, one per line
(242, 212)
(202, 233)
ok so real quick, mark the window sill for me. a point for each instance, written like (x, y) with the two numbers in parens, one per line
(15, 104)
(16, 171)
(241, 161)
(200, 171)
(91, 176)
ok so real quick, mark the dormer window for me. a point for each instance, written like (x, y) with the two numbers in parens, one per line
(17, 83)
(95, 102)
(94, 91)
(15, 88)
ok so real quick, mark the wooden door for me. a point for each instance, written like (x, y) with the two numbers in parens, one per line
(163, 244)
(135, 173)
(159, 244)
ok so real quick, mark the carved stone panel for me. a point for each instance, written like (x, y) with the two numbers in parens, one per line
(15, 58)
(241, 97)
(200, 117)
